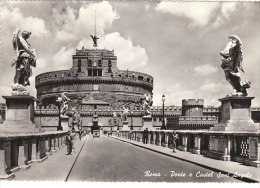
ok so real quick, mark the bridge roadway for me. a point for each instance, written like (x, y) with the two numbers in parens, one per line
(106, 159)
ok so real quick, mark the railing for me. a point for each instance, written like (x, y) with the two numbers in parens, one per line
(18, 151)
(240, 147)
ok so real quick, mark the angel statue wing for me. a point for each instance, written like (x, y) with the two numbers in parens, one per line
(239, 59)
(15, 46)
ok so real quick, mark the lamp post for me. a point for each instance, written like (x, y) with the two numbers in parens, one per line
(163, 122)
(59, 100)
(131, 112)
(110, 123)
(39, 104)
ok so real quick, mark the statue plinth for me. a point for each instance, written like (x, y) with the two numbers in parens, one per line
(19, 114)
(236, 115)
(125, 126)
(235, 118)
(65, 123)
(147, 120)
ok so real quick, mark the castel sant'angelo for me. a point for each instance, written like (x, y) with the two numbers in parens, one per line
(96, 87)
(94, 80)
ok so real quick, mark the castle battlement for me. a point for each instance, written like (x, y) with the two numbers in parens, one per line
(193, 102)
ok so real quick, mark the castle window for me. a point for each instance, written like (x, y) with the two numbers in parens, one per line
(89, 63)
(99, 72)
(148, 79)
(109, 66)
(94, 72)
(109, 63)
(89, 72)
(140, 78)
(99, 63)
(79, 65)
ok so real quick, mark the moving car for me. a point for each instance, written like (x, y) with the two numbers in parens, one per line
(96, 134)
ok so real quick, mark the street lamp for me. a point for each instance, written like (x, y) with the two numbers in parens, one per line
(110, 123)
(163, 122)
(131, 112)
(59, 100)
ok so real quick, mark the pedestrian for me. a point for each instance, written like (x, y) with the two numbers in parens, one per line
(73, 138)
(131, 134)
(69, 143)
(80, 134)
(145, 136)
(174, 138)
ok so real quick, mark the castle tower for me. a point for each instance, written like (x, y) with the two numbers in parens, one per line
(192, 107)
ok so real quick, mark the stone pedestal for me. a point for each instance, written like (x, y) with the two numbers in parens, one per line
(125, 126)
(147, 123)
(236, 115)
(65, 123)
(19, 115)
(235, 118)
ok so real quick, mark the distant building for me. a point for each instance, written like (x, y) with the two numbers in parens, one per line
(193, 116)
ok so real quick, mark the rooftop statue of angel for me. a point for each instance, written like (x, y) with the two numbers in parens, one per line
(64, 104)
(24, 57)
(232, 66)
(124, 113)
(147, 102)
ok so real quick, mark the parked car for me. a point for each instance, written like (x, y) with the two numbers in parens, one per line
(96, 133)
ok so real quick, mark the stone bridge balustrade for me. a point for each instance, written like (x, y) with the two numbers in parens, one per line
(18, 151)
(239, 147)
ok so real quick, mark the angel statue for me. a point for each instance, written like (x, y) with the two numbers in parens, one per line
(24, 57)
(94, 38)
(124, 113)
(64, 103)
(232, 66)
(147, 102)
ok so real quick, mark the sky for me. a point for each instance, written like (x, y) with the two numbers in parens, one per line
(178, 43)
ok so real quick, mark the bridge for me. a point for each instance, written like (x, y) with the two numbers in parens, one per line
(115, 158)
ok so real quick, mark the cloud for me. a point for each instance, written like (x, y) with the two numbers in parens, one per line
(14, 18)
(147, 7)
(227, 8)
(71, 27)
(5, 91)
(199, 13)
(129, 55)
(205, 70)
(62, 60)
(211, 86)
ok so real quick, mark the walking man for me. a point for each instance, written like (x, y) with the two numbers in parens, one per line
(69, 143)
(73, 138)
(145, 136)
(174, 138)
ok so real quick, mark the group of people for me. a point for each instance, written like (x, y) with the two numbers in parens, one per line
(173, 138)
